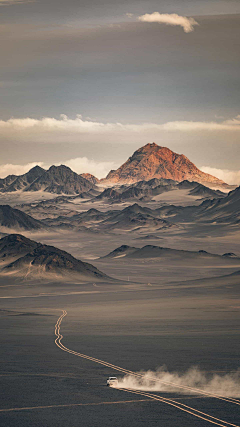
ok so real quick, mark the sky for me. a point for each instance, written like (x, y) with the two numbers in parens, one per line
(87, 82)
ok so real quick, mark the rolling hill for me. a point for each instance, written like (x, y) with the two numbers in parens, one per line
(18, 220)
(131, 218)
(34, 260)
(151, 251)
(148, 190)
(225, 210)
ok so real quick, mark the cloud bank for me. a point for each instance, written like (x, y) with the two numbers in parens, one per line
(28, 127)
(170, 19)
(226, 175)
(83, 164)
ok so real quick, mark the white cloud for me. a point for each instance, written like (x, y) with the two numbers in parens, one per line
(227, 125)
(64, 129)
(170, 19)
(231, 177)
(234, 122)
(83, 165)
(63, 124)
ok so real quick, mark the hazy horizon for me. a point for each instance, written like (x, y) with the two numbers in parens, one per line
(87, 83)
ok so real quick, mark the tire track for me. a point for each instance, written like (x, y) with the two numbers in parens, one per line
(70, 405)
(171, 402)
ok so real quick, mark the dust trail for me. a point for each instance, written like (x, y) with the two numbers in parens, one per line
(192, 381)
(171, 402)
(128, 372)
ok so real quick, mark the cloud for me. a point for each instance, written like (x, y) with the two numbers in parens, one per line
(79, 165)
(232, 125)
(49, 129)
(83, 165)
(170, 19)
(226, 175)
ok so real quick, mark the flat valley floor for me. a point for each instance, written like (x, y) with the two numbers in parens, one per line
(171, 313)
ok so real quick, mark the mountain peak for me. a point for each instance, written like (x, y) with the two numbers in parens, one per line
(36, 168)
(61, 180)
(89, 177)
(149, 145)
(154, 161)
(13, 183)
(59, 168)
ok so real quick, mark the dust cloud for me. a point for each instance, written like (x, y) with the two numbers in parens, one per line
(190, 382)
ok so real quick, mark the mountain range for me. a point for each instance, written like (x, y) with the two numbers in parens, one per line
(26, 258)
(147, 190)
(224, 210)
(57, 179)
(147, 163)
(131, 218)
(48, 215)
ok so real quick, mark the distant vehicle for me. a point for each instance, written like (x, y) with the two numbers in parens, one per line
(112, 381)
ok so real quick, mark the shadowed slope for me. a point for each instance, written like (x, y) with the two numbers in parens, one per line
(15, 245)
(35, 260)
(16, 219)
(61, 179)
(23, 181)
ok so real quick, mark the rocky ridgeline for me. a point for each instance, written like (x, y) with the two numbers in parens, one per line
(57, 179)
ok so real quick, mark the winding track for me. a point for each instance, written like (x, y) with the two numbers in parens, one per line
(171, 402)
(71, 405)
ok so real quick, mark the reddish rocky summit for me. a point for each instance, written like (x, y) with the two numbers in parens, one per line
(153, 161)
(89, 177)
